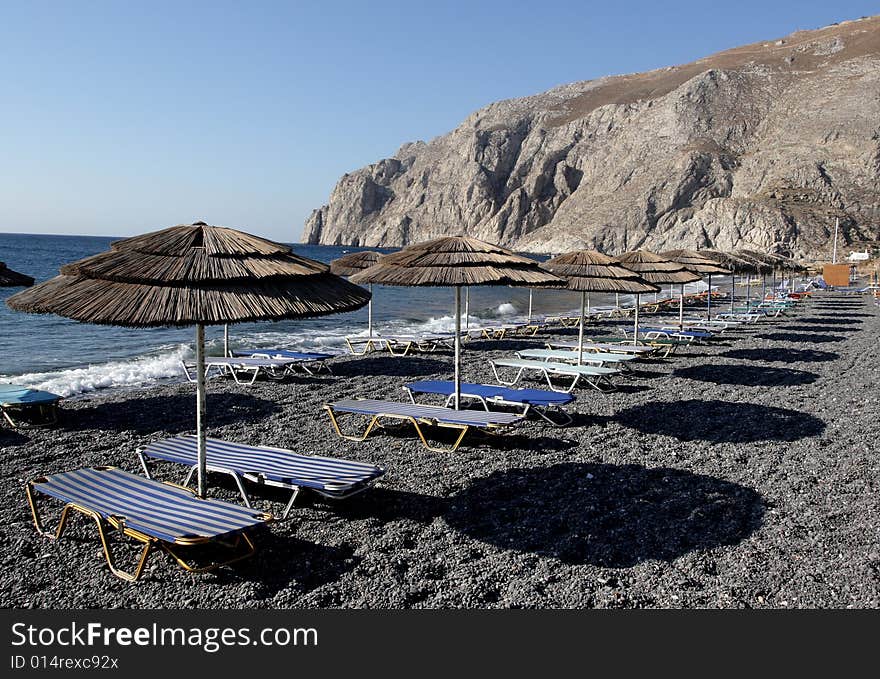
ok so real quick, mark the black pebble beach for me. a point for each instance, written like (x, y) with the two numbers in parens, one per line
(740, 474)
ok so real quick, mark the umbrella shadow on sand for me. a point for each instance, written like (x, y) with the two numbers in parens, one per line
(613, 516)
(391, 366)
(11, 437)
(825, 329)
(288, 562)
(173, 413)
(720, 421)
(747, 375)
(800, 337)
(782, 355)
(835, 320)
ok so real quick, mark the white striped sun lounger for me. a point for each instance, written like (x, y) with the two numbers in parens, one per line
(635, 349)
(244, 370)
(328, 476)
(571, 356)
(418, 415)
(156, 514)
(401, 345)
(597, 377)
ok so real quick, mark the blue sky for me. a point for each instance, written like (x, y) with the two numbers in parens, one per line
(118, 118)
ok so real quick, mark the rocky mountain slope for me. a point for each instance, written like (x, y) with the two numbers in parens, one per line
(760, 146)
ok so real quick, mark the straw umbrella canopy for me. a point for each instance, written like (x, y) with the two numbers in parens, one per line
(13, 279)
(657, 270)
(457, 261)
(589, 271)
(192, 274)
(733, 262)
(763, 265)
(352, 263)
(700, 264)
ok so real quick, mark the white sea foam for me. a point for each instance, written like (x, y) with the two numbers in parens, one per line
(116, 374)
(164, 362)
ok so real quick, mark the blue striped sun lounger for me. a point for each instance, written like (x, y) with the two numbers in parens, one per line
(328, 476)
(539, 401)
(23, 407)
(418, 415)
(156, 514)
(596, 376)
(310, 362)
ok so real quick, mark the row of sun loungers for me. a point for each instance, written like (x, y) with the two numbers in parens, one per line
(172, 518)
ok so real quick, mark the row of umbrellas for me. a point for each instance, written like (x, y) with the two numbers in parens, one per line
(201, 275)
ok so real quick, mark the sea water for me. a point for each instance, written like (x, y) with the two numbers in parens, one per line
(69, 358)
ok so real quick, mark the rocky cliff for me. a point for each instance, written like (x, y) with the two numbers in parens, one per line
(757, 147)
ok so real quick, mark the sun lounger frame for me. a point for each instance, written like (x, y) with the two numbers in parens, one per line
(375, 420)
(241, 546)
(548, 369)
(258, 478)
(48, 413)
(527, 408)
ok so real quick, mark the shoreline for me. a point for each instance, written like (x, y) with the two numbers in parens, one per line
(741, 474)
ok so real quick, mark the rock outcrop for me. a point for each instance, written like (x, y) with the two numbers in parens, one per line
(759, 147)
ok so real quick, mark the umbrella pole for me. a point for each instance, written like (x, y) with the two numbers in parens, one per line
(681, 308)
(226, 353)
(709, 301)
(467, 307)
(636, 325)
(200, 409)
(370, 312)
(763, 286)
(732, 289)
(617, 300)
(748, 289)
(581, 330)
(457, 346)
(530, 306)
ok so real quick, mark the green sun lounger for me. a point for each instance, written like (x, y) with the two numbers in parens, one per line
(597, 377)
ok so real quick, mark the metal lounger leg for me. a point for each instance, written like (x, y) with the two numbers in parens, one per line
(143, 459)
(333, 418)
(289, 505)
(425, 443)
(498, 377)
(249, 550)
(108, 552)
(567, 390)
(368, 346)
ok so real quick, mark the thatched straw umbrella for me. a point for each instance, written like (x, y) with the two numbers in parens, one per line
(589, 271)
(732, 262)
(352, 263)
(657, 270)
(457, 261)
(192, 275)
(784, 265)
(760, 265)
(767, 264)
(13, 279)
(697, 263)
